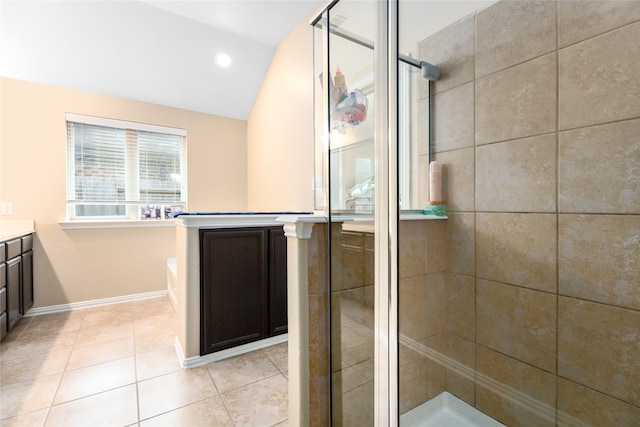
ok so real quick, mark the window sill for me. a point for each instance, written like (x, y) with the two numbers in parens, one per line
(90, 224)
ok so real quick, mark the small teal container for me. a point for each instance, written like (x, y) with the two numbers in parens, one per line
(435, 208)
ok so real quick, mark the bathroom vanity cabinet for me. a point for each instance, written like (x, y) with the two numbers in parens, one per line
(243, 286)
(16, 281)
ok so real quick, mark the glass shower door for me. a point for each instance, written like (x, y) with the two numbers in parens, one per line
(347, 83)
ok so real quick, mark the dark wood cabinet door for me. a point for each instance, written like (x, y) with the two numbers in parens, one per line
(27, 281)
(233, 287)
(277, 281)
(14, 308)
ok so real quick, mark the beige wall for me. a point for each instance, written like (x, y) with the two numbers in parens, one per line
(280, 129)
(81, 265)
(537, 127)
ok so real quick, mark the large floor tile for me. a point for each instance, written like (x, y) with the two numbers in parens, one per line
(156, 363)
(96, 379)
(31, 419)
(112, 408)
(175, 390)
(28, 396)
(93, 334)
(209, 412)
(241, 370)
(152, 307)
(158, 322)
(154, 340)
(87, 355)
(279, 356)
(109, 314)
(264, 403)
(30, 346)
(21, 369)
(93, 373)
(53, 325)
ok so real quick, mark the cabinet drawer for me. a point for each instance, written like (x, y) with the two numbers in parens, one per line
(3, 275)
(27, 243)
(3, 300)
(13, 248)
(3, 256)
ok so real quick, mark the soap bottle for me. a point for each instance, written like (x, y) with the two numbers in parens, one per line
(340, 84)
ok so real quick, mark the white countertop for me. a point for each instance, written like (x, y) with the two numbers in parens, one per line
(263, 219)
(10, 229)
(227, 220)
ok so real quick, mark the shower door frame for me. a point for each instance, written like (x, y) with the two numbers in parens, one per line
(386, 353)
(386, 206)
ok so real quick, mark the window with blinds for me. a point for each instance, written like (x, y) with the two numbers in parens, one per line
(124, 170)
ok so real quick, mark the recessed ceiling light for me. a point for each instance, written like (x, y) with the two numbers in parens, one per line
(223, 59)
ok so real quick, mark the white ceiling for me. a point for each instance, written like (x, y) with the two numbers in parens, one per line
(162, 51)
(265, 21)
(154, 51)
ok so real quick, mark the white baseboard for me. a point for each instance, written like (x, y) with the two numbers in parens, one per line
(192, 362)
(93, 303)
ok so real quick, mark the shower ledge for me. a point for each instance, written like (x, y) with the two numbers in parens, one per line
(346, 217)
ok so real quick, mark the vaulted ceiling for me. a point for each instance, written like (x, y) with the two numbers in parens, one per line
(154, 51)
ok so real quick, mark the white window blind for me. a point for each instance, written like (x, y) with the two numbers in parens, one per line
(124, 170)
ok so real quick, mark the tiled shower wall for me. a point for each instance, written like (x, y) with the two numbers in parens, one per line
(536, 120)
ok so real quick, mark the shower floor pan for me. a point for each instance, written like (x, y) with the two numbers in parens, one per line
(446, 410)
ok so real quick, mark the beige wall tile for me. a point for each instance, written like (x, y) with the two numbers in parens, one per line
(319, 405)
(452, 50)
(511, 32)
(458, 175)
(413, 385)
(452, 125)
(460, 294)
(580, 20)
(598, 79)
(413, 248)
(458, 169)
(598, 169)
(422, 248)
(517, 176)
(517, 102)
(318, 261)
(578, 405)
(412, 308)
(460, 365)
(460, 247)
(436, 372)
(436, 246)
(599, 258)
(318, 342)
(421, 306)
(513, 392)
(519, 249)
(518, 322)
(598, 346)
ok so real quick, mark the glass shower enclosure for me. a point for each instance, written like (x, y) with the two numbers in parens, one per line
(371, 160)
(522, 304)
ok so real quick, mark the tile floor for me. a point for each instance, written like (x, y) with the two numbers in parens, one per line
(115, 365)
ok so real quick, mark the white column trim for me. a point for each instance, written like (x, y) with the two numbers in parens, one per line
(298, 230)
